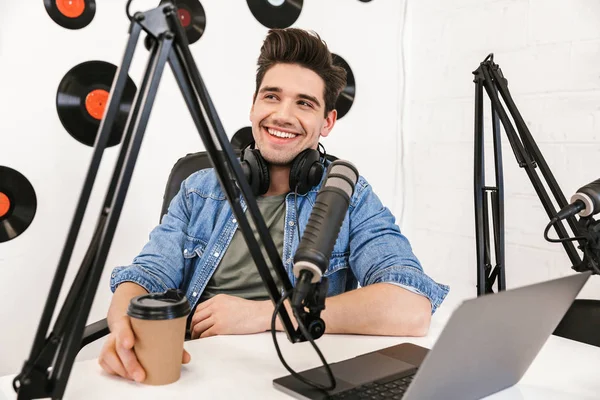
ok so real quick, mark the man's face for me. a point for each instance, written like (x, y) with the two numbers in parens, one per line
(288, 113)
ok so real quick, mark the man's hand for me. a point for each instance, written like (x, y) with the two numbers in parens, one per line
(117, 356)
(229, 315)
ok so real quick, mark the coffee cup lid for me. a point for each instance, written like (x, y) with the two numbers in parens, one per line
(156, 306)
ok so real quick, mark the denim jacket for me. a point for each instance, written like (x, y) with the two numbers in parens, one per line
(186, 248)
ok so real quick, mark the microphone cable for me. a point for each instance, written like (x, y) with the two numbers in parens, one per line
(569, 239)
(594, 266)
(312, 342)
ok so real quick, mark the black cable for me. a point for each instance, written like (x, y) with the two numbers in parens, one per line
(594, 266)
(552, 222)
(127, 9)
(312, 342)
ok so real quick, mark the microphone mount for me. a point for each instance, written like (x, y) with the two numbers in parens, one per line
(489, 76)
(46, 371)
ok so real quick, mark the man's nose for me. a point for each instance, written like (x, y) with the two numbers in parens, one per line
(283, 114)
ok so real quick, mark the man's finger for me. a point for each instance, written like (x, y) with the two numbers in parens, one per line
(200, 315)
(201, 327)
(111, 359)
(209, 332)
(186, 357)
(124, 335)
(131, 364)
(106, 368)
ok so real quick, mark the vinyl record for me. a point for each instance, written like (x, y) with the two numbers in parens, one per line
(242, 138)
(71, 14)
(82, 96)
(18, 204)
(346, 97)
(276, 13)
(192, 17)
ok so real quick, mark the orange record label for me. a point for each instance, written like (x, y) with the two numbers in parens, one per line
(95, 102)
(4, 204)
(71, 8)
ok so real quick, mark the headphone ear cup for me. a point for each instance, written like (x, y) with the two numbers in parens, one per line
(306, 171)
(315, 174)
(256, 171)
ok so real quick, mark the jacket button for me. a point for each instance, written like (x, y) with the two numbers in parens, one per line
(291, 223)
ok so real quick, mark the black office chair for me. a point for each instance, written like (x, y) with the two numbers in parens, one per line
(183, 168)
(581, 322)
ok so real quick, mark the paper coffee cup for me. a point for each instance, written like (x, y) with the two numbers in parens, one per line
(158, 321)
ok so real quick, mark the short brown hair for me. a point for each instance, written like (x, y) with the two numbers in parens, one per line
(297, 46)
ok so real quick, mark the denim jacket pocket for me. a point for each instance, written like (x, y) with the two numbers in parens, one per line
(193, 247)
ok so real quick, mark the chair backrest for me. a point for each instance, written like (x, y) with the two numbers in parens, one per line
(193, 162)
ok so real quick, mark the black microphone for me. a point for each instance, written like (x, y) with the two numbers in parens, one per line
(331, 204)
(585, 202)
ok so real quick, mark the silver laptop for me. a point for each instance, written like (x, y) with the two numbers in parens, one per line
(486, 346)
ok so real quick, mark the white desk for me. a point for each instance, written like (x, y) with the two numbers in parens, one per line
(235, 367)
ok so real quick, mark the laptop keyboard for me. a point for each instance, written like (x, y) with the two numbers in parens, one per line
(393, 387)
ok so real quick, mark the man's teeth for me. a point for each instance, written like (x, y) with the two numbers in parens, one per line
(280, 134)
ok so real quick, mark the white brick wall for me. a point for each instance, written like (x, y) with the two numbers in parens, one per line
(549, 50)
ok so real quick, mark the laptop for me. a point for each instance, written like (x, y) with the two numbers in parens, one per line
(486, 346)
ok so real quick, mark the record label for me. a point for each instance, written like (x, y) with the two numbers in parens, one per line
(95, 103)
(71, 14)
(71, 8)
(82, 97)
(18, 203)
(4, 204)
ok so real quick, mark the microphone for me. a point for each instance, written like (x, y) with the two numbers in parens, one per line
(316, 245)
(585, 202)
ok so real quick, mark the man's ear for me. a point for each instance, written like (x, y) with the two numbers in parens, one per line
(329, 123)
(252, 107)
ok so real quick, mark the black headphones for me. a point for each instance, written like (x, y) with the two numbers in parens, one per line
(305, 173)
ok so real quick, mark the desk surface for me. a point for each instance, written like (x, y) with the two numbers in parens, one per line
(225, 367)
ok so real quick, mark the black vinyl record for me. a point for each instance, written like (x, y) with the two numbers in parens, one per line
(192, 17)
(346, 97)
(242, 138)
(18, 203)
(275, 13)
(71, 14)
(82, 96)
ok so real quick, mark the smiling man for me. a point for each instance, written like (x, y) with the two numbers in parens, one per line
(376, 284)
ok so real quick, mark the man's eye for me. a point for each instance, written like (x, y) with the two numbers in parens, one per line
(270, 96)
(305, 103)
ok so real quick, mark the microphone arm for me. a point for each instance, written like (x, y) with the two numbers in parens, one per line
(489, 76)
(46, 371)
